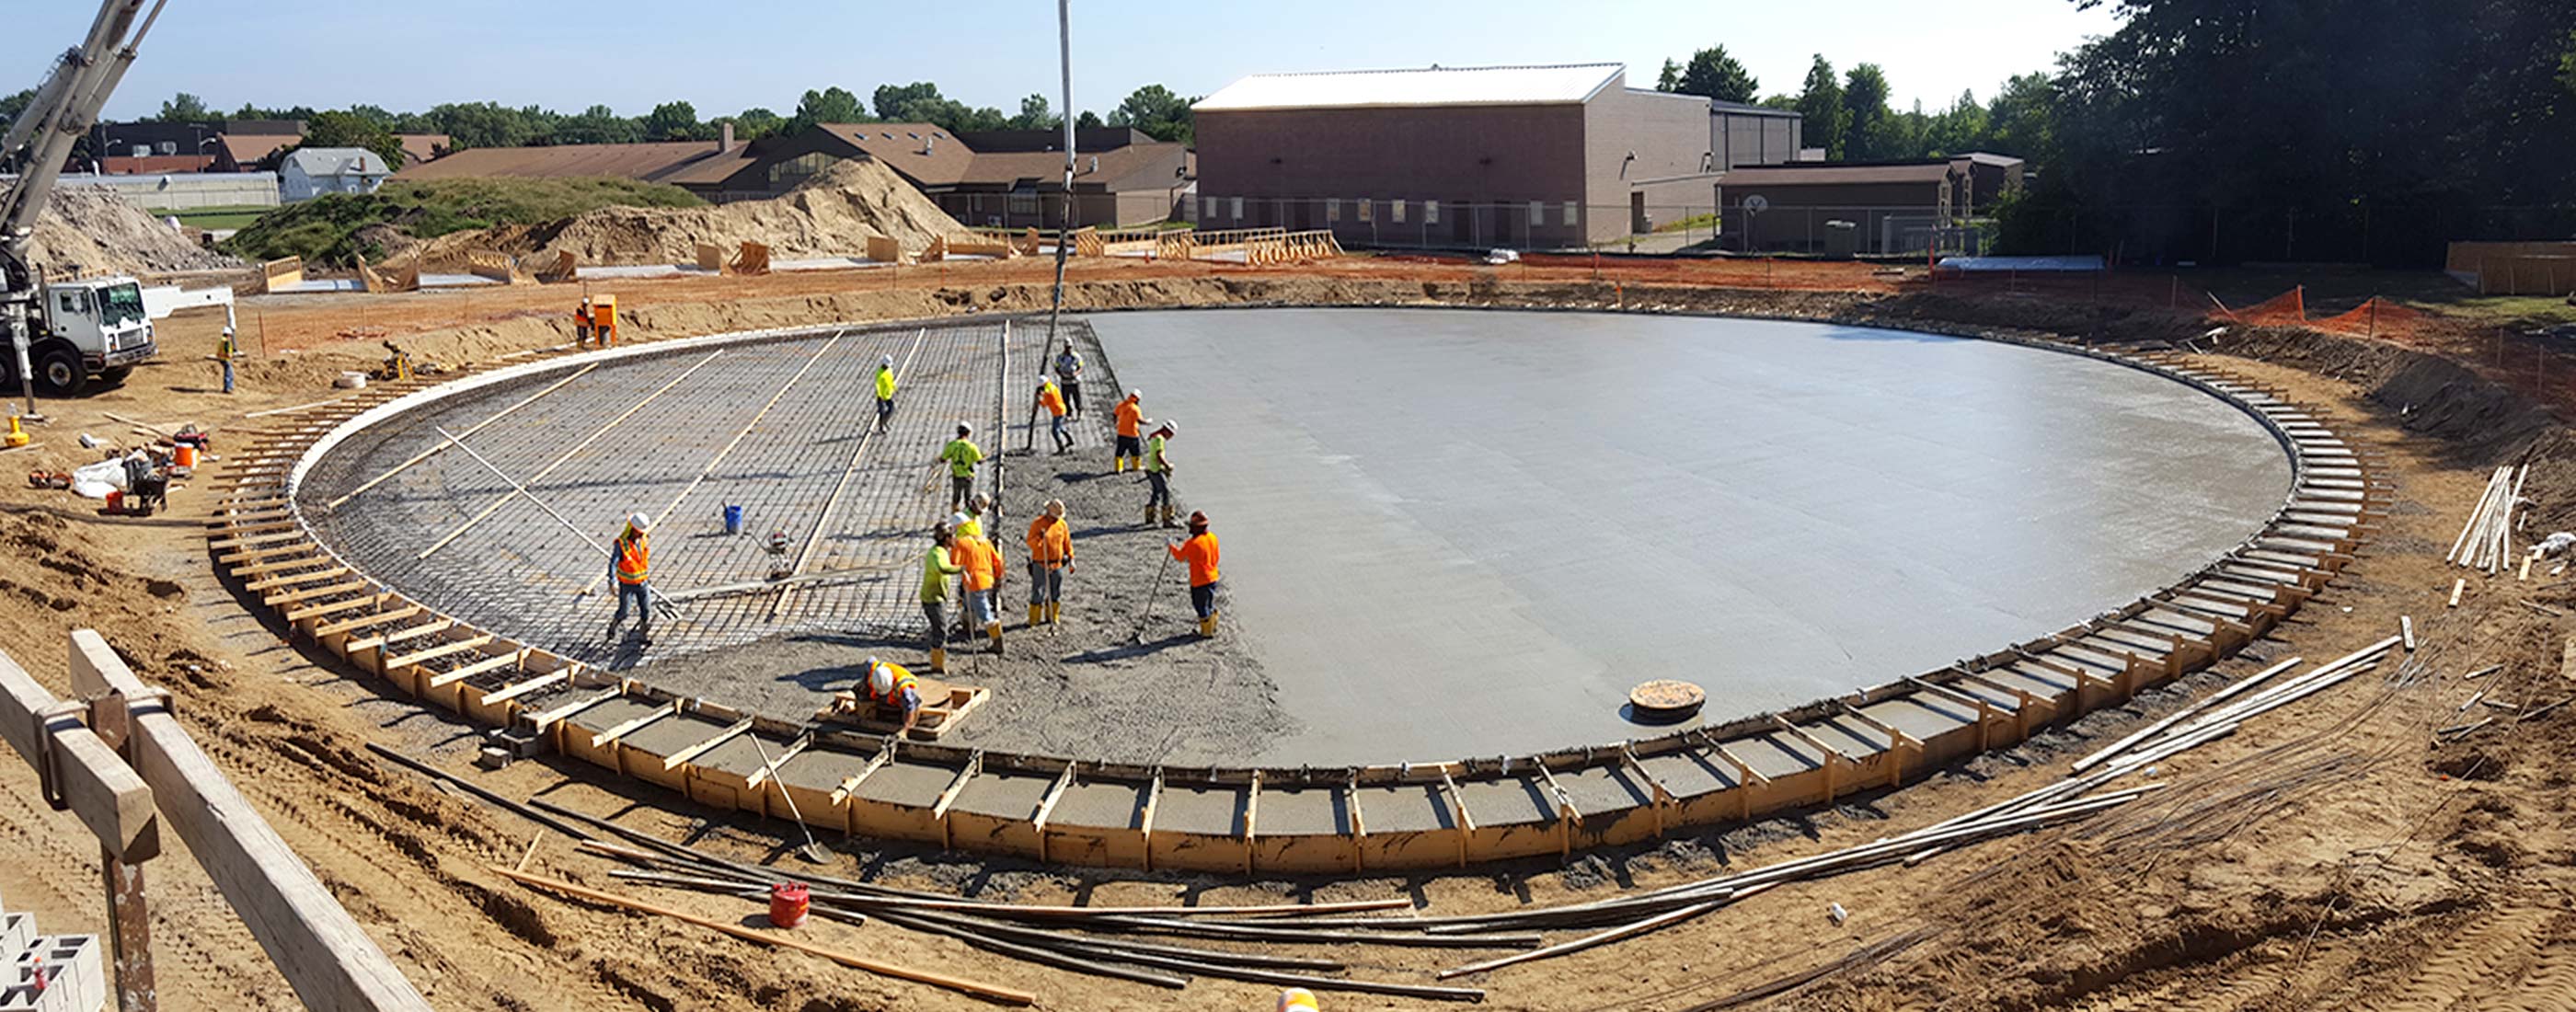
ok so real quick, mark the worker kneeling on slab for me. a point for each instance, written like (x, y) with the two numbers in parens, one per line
(630, 561)
(937, 565)
(1050, 555)
(1200, 552)
(1158, 472)
(887, 686)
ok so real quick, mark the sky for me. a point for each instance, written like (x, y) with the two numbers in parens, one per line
(729, 55)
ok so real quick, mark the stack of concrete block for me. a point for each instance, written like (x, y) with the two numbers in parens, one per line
(49, 973)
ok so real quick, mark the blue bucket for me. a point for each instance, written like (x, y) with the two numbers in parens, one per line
(733, 519)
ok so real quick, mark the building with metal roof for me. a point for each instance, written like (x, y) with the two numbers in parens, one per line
(306, 173)
(1521, 156)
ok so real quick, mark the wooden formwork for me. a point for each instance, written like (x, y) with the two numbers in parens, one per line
(492, 265)
(275, 275)
(1291, 247)
(562, 267)
(405, 278)
(1301, 821)
(885, 250)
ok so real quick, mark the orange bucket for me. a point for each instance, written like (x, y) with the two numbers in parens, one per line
(788, 902)
(186, 457)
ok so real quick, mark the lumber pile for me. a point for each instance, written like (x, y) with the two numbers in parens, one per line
(2485, 544)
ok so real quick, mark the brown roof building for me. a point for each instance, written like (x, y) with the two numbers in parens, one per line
(1860, 207)
(1530, 156)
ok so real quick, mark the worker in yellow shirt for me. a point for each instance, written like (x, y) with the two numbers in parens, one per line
(1052, 399)
(885, 391)
(1050, 543)
(937, 565)
(1131, 435)
(630, 561)
(1200, 552)
(962, 455)
(1158, 472)
(889, 686)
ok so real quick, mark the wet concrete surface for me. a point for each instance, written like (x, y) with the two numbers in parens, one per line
(1453, 533)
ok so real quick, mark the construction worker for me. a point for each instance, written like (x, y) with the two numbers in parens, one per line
(887, 684)
(983, 583)
(962, 455)
(1050, 543)
(1298, 999)
(1158, 472)
(225, 352)
(1200, 552)
(630, 561)
(1131, 419)
(937, 565)
(1068, 374)
(1052, 399)
(885, 391)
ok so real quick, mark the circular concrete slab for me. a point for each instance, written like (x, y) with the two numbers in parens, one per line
(1457, 533)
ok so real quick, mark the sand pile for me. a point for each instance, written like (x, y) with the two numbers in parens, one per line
(833, 214)
(91, 228)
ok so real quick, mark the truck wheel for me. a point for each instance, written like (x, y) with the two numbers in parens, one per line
(60, 372)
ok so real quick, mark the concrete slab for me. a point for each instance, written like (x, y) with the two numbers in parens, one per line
(1464, 533)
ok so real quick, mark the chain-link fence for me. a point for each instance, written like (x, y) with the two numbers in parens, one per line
(2352, 232)
(1638, 226)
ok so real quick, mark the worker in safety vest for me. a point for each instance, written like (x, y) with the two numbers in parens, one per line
(1050, 543)
(983, 579)
(885, 391)
(962, 455)
(1200, 552)
(1158, 472)
(1298, 999)
(1068, 373)
(1131, 420)
(887, 684)
(971, 519)
(1052, 399)
(937, 565)
(630, 561)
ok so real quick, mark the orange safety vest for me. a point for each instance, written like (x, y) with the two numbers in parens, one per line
(1200, 552)
(1128, 414)
(981, 562)
(1050, 542)
(1053, 399)
(632, 555)
(902, 680)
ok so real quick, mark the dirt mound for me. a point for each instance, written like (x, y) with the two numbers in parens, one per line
(833, 214)
(92, 228)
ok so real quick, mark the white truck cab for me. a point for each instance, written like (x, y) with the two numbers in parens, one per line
(89, 327)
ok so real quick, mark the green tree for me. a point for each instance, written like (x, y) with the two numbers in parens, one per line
(351, 130)
(1671, 77)
(1821, 105)
(1089, 120)
(1713, 73)
(2567, 63)
(1156, 111)
(1784, 103)
(1036, 114)
(1868, 131)
(755, 123)
(598, 124)
(1964, 126)
(13, 105)
(891, 100)
(674, 121)
(830, 105)
(491, 124)
(184, 108)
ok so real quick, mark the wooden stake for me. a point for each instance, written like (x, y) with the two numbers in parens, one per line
(2457, 585)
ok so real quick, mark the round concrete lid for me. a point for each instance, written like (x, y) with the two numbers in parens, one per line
(1665, 697)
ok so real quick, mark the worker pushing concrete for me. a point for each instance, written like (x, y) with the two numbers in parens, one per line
(630, 561)
(1050, 543)
(1158, 472)
(937, 565)
(887, 684)
(1131, 420)
(1068, 374)
(1051, 398)
(885, 391)
(1200, 552)
(962, 455)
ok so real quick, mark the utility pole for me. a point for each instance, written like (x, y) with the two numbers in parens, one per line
(1064, 223)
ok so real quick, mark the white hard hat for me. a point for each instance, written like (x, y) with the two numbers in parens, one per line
(1170, 426)
(638, 521)
(958, 520)
(1138, 394)
(880, 678)
(1297, 998)
(887, 360)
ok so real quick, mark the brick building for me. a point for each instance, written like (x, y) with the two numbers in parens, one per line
(1535, 156)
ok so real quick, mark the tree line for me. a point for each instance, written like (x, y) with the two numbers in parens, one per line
(1153, 109)
(1849, 116)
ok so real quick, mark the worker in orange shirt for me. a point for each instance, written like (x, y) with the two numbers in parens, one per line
(1131, 432)
(1050, 554)
(983, 579)
(1200, 552)
(1052, 399)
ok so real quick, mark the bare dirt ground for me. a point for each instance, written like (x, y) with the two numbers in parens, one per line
(2331, 856)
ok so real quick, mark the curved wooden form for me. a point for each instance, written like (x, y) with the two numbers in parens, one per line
(1405, 816)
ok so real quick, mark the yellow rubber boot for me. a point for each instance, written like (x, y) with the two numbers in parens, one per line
(995, 631)
(1207, 626)
(1118, 465)
(938, 659)
(1037, 615)
(1055, 612)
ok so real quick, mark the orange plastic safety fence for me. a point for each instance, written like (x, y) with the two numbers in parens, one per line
(2375, 317)
(2288, 309)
